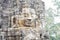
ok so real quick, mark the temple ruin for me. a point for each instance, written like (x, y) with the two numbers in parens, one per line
(22, 20)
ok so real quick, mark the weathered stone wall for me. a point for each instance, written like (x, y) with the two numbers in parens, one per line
(24, 34)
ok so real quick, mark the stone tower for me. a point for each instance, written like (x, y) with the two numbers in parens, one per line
(23, 20)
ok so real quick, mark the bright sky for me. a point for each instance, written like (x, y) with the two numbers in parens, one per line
(49, 4)
(56, 20)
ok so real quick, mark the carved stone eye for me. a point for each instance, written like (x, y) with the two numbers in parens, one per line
(40, 35)
(46, 37)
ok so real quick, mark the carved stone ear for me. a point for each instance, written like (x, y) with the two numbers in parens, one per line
(14, 20)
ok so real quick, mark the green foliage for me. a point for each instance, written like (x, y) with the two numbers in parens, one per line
(54, 29)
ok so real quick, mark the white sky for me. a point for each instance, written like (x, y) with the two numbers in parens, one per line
(49, 4)
(56, 20)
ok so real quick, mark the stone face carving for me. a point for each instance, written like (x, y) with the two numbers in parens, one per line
(23, 20)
